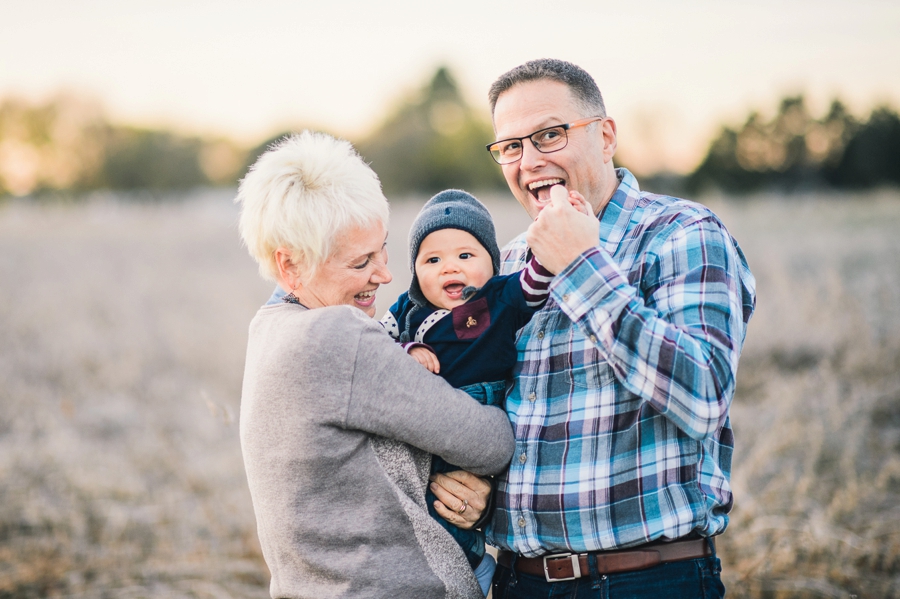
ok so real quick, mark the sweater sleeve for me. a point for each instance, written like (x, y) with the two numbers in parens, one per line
(393, 396)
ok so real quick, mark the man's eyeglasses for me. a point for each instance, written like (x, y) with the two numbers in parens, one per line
(551, 139)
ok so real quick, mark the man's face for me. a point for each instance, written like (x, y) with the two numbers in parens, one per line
(584, 165)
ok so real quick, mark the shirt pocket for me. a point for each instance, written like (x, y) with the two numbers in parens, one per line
(471, 319)
(588, 369)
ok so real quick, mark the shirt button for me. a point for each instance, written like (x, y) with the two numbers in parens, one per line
(523, 458)
(540, 334)
(522, 522)
(565, 297)
(532, 396)
(593, 339)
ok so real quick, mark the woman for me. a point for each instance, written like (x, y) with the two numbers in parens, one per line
(337, 423)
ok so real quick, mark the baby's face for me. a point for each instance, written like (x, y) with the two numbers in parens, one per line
(450, 260)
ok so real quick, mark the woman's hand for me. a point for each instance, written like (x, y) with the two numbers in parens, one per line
(463, 497)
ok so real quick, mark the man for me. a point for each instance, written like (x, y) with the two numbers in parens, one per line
(624, 380)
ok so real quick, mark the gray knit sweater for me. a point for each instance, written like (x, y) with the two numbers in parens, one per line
(337, 427)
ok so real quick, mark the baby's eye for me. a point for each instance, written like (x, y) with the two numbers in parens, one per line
(432, 260)
(465, 256)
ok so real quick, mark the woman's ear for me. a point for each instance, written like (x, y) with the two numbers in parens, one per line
(289, 274)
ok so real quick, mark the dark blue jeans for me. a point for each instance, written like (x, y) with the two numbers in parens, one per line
(688, 579)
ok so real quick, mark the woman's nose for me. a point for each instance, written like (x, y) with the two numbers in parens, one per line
(382, 275)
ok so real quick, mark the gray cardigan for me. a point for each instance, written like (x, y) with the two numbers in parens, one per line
(337, 427)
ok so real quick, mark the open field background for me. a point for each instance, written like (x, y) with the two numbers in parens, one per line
(122, 332)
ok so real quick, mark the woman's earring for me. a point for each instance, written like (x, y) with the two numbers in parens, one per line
(290, 298)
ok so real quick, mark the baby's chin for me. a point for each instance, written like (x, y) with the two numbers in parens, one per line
(445, 303)
(449, 305)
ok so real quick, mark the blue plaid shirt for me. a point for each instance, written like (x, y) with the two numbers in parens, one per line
(623, 384)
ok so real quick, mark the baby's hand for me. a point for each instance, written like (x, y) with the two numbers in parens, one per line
(576, 199)
(426, 358)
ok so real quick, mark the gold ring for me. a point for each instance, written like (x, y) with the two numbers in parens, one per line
(463, 507)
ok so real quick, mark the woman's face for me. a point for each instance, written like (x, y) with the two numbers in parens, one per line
(352, 273)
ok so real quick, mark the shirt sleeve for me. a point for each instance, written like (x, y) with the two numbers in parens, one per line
(674, 336)
(535, 282)
(394, 397)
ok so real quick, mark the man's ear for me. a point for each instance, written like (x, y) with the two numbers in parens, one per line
(289, 272)
(608, 130)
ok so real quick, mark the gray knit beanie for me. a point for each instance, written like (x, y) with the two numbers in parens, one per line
(451, 209)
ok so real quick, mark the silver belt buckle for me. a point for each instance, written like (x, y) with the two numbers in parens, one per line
(576, 566)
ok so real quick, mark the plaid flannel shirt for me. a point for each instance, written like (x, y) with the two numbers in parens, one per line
(624, 382)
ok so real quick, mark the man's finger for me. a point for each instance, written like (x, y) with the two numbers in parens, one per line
(559, 196)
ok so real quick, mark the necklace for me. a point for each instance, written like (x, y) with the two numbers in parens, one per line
(290, 298)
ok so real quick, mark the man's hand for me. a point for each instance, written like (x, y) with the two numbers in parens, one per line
(463, 497)
(562, 231)
(426, 358)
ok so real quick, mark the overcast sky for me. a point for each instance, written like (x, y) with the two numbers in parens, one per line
(671, 72)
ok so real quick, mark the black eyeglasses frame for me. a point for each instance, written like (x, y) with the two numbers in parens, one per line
(565, 127)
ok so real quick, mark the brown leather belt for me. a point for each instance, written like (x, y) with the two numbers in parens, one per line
(569, 566)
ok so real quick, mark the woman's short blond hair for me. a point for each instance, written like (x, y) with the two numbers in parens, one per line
(303, 192)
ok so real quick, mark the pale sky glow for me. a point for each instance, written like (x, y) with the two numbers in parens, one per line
(670, 72)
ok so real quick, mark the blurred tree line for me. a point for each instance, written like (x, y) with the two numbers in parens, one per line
(433, 140)
(794, 151)
(68, 144)
(430, 141)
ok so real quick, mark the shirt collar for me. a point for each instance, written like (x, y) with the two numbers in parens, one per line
(616, 215)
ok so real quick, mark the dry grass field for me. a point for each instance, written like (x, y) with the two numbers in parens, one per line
(122, 332)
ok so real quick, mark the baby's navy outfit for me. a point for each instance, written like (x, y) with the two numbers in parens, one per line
(475, 344)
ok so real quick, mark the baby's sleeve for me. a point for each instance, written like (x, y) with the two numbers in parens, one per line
(393, 318)
(535, 282)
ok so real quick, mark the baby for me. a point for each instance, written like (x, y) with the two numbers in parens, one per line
(459, 318)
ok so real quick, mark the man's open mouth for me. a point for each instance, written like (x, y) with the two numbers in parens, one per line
(540, 190)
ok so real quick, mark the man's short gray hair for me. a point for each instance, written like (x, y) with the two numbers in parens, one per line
(582, 85)
(301, 194)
